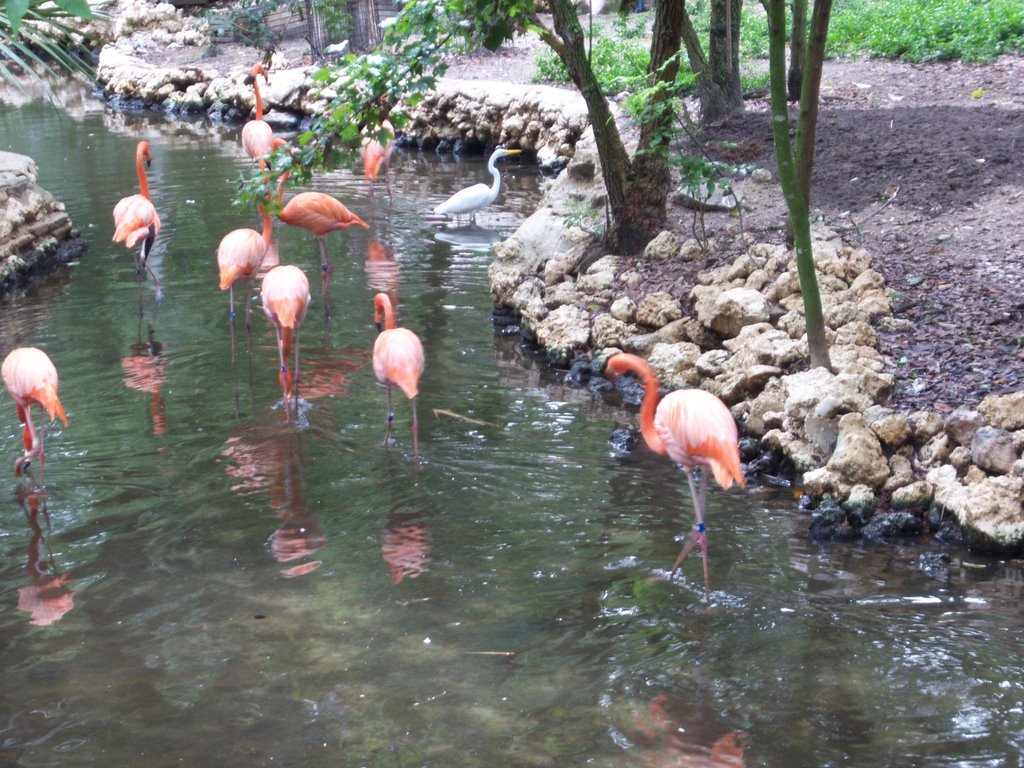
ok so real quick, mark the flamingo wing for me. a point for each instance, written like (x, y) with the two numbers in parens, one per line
(398, 360)
(257, 138)
(285, 295)
(698, 430)
(239, 255)
(133, 216)
(319, 213)
(30, 377)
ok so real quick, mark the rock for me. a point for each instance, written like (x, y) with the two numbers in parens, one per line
(925, 425)
(962, 424)
(657, 309)
(732, 310)
(917, 495)
(992, 449)
(623, 309)
(1004, 411)
(663, 247)
(862, 501)
(960, 457)
(901, 473)
(991, 512)
(935, 451)
(858, 456)
(607, 331)
(675, 363)
(893, 429)
(893, 525)
(563, 331)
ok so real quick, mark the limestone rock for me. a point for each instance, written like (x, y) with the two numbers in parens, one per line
(962, 424)
(732, 310)
(858, 456)
(663, 247)
(991, 511)
(1004, 411)
(657, 309)
(992, 449)
(563, 331)
(675, 363)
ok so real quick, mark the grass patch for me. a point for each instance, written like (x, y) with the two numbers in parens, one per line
(912, 30)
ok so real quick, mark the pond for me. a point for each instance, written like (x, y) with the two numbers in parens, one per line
(208, 584)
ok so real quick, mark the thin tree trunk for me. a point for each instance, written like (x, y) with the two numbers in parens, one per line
(796, 202)
(797, 49)
(718, 85)
(807, 125)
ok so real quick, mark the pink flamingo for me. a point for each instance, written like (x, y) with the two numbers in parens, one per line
(376, 155)
(257, 135)
(285, 295)
(31, 379)
(397, 361)
(320, 214)
(136, 219)
(239, 257)
(694, 429)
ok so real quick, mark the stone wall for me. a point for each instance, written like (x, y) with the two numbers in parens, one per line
(35, 231)
(467, 116)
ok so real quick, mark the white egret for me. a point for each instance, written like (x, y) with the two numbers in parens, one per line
(472, 199)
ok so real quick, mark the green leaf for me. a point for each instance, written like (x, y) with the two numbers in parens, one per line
(16, 10)
(78, 8)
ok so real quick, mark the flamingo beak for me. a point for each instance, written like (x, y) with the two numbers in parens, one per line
(21, 465)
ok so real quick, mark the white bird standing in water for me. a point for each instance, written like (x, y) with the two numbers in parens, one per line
(472, 199)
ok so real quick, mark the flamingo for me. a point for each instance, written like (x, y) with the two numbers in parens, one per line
(397, 360)
(135, 217)
(376, 156)
(257, 135)
(239, 257)
(694, 429)
(320, 214)
(31, 379)
(472, 199)
(285, 295)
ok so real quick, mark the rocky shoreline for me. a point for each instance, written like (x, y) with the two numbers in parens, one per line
(866, 469)
(36, 234)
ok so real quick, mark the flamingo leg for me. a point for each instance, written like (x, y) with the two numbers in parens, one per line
(698, 537)
(231, 314)
(390, 419)
(23, 462)
(325, 274)
(147, 246)
(295, 376)
(284, 373)
(248, 307)
(415, 430)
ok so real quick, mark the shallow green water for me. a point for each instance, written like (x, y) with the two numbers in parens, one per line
(248, 592)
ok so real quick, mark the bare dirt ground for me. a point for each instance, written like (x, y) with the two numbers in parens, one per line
(922, 164)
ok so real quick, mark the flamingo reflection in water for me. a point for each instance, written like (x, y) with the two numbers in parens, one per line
(405, 545)
(145, 370)
(382, 270)
(672, 741)
(266, 460)
(48, 597)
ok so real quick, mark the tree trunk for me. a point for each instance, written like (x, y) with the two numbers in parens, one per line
(807, 124)
(796, 201)
(638, 188)
(797, 50)
(718, 84)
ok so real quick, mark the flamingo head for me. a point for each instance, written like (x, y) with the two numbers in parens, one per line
(256, 71)
(21, 465)
(143, 154)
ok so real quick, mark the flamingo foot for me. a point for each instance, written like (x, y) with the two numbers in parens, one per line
(697, 538)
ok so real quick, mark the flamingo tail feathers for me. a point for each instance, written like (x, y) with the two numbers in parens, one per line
(46, 395)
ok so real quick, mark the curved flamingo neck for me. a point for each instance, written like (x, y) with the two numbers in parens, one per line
(268, 225)
(383, 311)
(258, 70)
(141, 155)
(626, 362)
